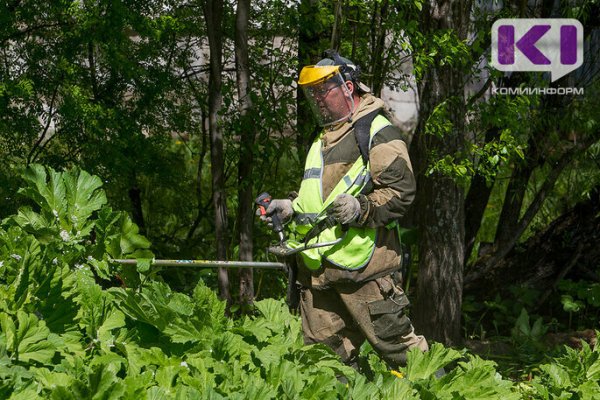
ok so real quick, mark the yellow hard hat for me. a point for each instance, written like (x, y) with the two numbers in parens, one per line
(315, 74)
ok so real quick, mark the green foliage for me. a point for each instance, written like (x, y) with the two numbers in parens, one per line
(62, 335)
(575, 374)
(581, 300)
(443, 48)
(500, 316)
(118, 89)
(481, 156)
(471, 379)
(527, 335)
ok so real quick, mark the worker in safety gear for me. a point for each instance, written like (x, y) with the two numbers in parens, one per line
(349, 293)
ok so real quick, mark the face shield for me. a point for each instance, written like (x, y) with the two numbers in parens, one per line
(326, 91)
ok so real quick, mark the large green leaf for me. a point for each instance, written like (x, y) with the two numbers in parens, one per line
(320, 387)
(37, 190)
(27, 338)
(48, 379)
(173, 314)
(20, 260)
(361, 389)
(95, 304)
(56, 298)
(99, 383)
(37, 224)
(70, 197)
(392, 387)
(589, 390)
(132, 243)
(136, 385)
(473, 383)
(83, 194)
(422, 365)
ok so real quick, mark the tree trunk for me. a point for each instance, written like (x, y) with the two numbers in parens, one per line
(476, 201)
(440, 201)
(513, 202)
(441, 259)
(480, 190)
(203, 150)
(245, 184)
(379, 33)
(213, 13)
(137, 214)
(336, 31)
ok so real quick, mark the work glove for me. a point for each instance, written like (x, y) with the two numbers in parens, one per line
(345, 209)
(281, 207)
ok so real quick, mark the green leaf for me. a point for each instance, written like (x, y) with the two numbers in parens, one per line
(43, 229)
(32, 338)
(136, 385)
(104, 384)
(396, 388)
(593, 372)
(143, 265)
(569, 304)
(323, 386)
(258, 389)
(102, 268)
(589, 390)
(27, 339)
(83, 194)
(157, 393)
(9, 329)
(22, 284)
(422, 365)
(522, 328)
(166, 376)
(49, 379)
(557, 376)
(286, 374)
(114, 320)
(131, 240)
(35, 176)
(361, 389)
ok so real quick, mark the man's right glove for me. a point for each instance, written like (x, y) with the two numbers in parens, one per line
(283, 209)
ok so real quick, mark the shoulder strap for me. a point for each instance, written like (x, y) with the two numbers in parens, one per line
(362, 133)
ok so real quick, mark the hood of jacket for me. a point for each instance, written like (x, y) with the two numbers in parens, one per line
(368, 103)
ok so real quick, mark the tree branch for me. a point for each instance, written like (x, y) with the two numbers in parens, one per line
(30, 156)
(480, 93)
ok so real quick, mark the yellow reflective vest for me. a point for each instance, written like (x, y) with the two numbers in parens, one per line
(356, 249)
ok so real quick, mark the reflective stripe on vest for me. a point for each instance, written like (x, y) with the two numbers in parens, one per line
(356, 249)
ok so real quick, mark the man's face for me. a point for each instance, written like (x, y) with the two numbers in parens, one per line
(334, 101)
(331, 98)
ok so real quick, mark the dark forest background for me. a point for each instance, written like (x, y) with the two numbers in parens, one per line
(188, 110)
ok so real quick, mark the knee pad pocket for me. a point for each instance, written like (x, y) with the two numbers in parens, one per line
(388, 317)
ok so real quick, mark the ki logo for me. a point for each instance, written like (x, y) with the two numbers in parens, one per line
(552, 45)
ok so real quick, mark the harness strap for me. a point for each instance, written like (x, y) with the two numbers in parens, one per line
(362, 133)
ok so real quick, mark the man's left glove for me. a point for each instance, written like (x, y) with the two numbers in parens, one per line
(345, 208)
(281, 207)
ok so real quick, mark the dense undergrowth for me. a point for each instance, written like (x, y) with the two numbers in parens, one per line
(74, 325)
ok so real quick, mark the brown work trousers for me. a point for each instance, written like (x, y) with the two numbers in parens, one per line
(343, 315)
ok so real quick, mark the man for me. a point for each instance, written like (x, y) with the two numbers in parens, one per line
(358, 172)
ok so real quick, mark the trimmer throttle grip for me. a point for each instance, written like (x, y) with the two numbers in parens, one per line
(263, 200)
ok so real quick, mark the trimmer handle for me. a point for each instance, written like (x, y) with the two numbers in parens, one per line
(263, 200)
